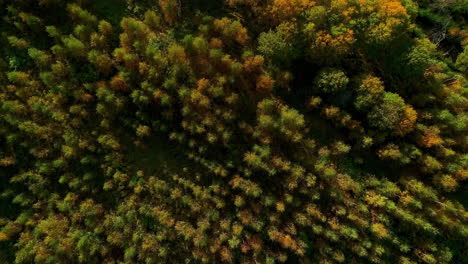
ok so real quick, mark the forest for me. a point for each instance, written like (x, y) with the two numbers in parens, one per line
(233, 131)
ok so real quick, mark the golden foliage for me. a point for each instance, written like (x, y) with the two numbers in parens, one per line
(231, 29)
(392, 8)
(371, 85)
(339, 44)
(216, 43)
(264, 84)
(374, 199)
(408, 121)
(118, 84)
(170, 9)
(7, 161)
(379, 230)
(430, 137)
(281, 10)
(253, 63)
(226, 254)
(3, 237)
(447, 182)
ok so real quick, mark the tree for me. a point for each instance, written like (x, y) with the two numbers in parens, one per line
(170, 10)
(264, 84)
(408, 121)
(80, 15)
(231, 29)
(74, 47)
(388, 113)
(41, 58)
(331, 80)
(421, 56)
(369, 92)
(276, 45)
(462, 60)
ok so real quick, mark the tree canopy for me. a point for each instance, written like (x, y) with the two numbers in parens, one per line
(236, 131)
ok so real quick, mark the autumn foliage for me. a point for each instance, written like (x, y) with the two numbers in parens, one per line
(234, 131)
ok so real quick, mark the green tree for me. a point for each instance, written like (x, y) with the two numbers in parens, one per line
(331, 80)
(388, 113)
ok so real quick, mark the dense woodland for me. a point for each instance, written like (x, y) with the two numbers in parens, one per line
(233, 131)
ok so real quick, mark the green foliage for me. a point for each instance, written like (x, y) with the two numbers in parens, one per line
(387, 114)
(239, 131)
(277, 45)
(331, 80)
(462, 61)
(74, 47)
(421, 56)
(368, 92)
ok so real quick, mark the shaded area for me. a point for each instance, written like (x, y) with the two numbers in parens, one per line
(110, 10)
(461, 196)
(158, 154)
